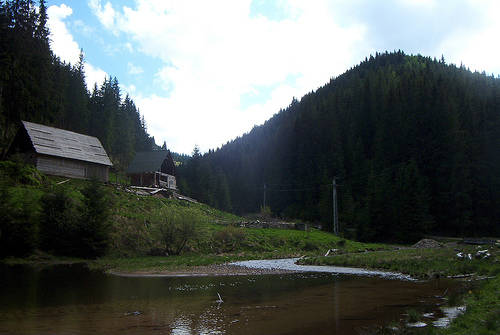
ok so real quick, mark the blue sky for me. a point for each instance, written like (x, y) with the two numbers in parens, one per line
(203, 72)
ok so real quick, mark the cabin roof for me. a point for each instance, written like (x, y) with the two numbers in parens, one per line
(64, 143)
(148, 161)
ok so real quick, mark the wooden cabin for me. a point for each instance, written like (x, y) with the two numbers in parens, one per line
(153, 169)
(61, 152)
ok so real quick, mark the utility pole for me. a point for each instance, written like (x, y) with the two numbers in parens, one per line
(335, 211)
(264, 197)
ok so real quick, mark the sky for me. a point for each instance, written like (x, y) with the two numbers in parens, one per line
(204, 72)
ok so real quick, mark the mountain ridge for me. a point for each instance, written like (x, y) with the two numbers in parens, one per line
(412, 139)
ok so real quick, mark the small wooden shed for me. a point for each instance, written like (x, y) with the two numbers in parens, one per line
(153, 169)
(61, 152)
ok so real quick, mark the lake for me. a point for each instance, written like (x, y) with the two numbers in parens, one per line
(71, 299)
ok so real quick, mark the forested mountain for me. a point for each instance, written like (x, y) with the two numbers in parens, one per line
(37, 86)
(413, 142)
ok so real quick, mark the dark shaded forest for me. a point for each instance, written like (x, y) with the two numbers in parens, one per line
(412, 141)
(37, 86)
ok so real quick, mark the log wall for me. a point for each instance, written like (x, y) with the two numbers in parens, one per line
(59, 166)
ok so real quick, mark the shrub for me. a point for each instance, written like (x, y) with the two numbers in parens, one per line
(278, 241)
(176, 231)
(18, 222)
(413, 315)
(93, 227)
(310, 246)
(18, 172)
(265, 212)
(59, 223)
(228, 239)
(131, 237)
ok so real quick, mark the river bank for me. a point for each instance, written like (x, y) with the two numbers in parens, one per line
(261, 267)
(229, 269)
(478, 267)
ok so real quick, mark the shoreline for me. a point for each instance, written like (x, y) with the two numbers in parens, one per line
(260, 267)
(214, 270)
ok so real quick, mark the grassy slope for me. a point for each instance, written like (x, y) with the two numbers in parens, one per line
(134, 232)
(135, 224)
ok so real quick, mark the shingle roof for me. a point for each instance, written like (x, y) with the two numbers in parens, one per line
(147, 161)
(64, 143)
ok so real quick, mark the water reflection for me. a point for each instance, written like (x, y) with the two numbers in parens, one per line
(71, 299)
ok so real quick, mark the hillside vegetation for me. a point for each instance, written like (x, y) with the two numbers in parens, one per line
(78, 218)
(413, 142)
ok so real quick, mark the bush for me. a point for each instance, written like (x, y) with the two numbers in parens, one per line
(310, 246)
(59, 223)
(341, 243)
(413, 315)
(265, 212)
(130, 237)
(228, 239)
(18, 172)
(93, 229)
(73, 228)
(18, 221)
(176, 231)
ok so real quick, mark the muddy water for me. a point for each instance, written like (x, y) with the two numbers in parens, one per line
(74, 300)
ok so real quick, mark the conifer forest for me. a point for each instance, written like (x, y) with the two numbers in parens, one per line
(37, 86)
(412, 142)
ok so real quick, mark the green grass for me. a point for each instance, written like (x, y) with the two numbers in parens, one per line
(119, 178)
(483, 311)
(294, 240)
(420, 263)
(157, 263)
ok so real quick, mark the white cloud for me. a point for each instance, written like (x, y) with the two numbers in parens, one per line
(129, 47)
(62, 42)
(94, 76)
(477, 49)
(213, 53)
(424, 3)
(64, 45)
(127, 89)
(133, 69)
(106, 13)
(83, 28)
